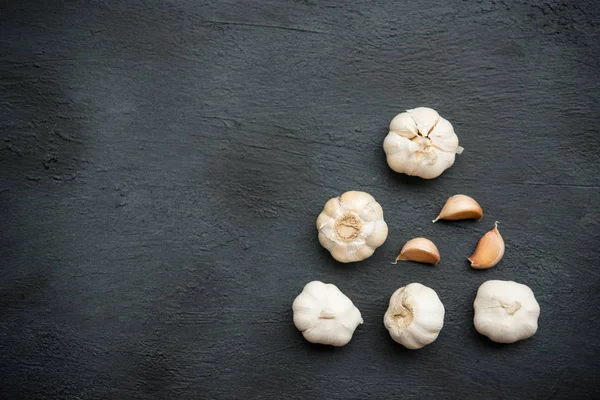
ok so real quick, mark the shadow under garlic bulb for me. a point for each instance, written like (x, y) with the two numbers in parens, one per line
(351, 226)
(421, 143)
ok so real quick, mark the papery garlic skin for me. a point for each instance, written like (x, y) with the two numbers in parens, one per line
(325, 315)
(421, 143)
(351, 226)
(506, 311)
(415, 316)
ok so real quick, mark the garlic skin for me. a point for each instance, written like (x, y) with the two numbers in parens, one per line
(420, 250)
(459, 207)
(351, 226)
(415, 316)
(506, 311)
(421, 143)
(325, 315)
(489, 250)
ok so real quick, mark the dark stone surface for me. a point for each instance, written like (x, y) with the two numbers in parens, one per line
(162, 164)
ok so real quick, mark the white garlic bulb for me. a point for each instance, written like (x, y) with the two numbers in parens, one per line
(325, 315)
(351, 226)
(506, 311)
(421, 143)
(415, 316)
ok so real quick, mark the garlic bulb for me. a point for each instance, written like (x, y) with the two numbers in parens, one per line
(505, 311)
(351, 226)
(421, 143)
(325, 315)
(415, 316)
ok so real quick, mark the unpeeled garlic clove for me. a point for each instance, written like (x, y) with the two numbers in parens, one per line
(489, 250)
(420, 250)
(460, 206)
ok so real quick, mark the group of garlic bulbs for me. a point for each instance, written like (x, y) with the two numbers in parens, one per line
(351, 227)
(505, 312)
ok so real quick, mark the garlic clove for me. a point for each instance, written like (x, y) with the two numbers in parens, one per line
(380, 232)
(489, 250)
(443, 137)
(404, 125)
(459, 207)
(326, 242)
(333, 208)
(371, 211)
(355, 200)
(425, 118)
(364, 252)
(340, 253)
(420, 250)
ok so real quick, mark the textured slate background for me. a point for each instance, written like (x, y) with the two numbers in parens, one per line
(162, 164)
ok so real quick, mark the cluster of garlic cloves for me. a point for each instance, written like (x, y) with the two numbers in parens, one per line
(489, 250)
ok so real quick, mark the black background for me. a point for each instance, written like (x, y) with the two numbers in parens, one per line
(162, 165)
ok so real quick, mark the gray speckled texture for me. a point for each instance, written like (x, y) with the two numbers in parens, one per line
(162, 164)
